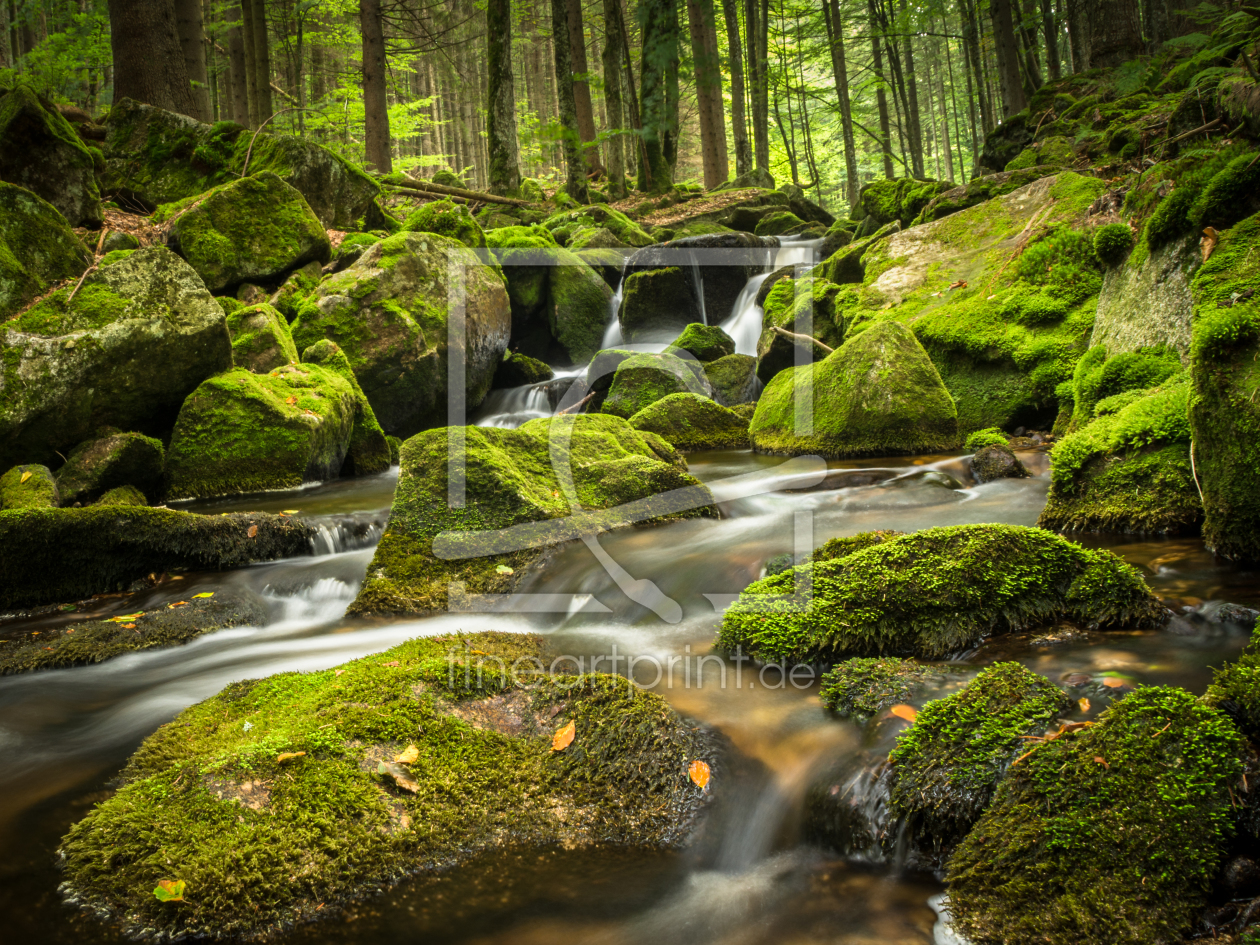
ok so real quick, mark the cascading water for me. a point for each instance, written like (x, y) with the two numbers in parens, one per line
(744, 323)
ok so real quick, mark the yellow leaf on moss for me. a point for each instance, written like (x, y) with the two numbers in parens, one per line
(25, 476)
(288, 756)
(699, 773)
(170, 890)
(409, 755)
(564, 737)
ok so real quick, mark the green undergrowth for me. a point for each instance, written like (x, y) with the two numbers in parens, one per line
(934, 593)
(1235, 689)
(264, 841)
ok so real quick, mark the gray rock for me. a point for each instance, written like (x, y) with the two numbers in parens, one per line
(40, 151)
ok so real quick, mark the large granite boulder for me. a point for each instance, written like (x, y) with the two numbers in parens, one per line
(40, 151)
(37, 248)
(369, 450)
(693, 422)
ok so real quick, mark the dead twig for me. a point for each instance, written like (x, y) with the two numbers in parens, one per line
(581, 403)
(795, 337)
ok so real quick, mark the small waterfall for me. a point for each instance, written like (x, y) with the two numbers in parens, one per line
(745, 321)
(612, 334)
(334, 535)
(514, 406)
(697, 277)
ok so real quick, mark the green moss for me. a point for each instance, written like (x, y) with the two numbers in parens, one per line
(115, 256)
(261, 340)
(511, 483)
(934, 593)
(734, 380)
(862, 688)
(28, 487)
(1229, 196)
(297, 287)
(1113, 242)
(566, 222)
(1098, 377)
(94, 641)
(693, 422)
(948, 763)
(395, 449)
(54, 555)
(369, 451)
(517, 370)
(982, 438)
(877, 395)
(447, 218)
(98, 465)
(781, 223)
(655, 304)
(643, 379)
(704, 342)
(122, 495)
(207, 800)
(37, 248)
(807, 306)
(39, 150)
(976, 191)
(902, 200)
(577, 304)
(1109, 834)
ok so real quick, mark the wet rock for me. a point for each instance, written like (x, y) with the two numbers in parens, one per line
(877, 395)
(251, 230)
(804, 306)
(54, 555)
(657, 304)
(935, 593)
(369, 451)
(517, 370)
(703, 342)
(578, 303)
(996, 462)
(137, 338)
(28, 487)
(693, 422)
(643, 379)
(1059, 635)
(718, 266)
(159, 625)
(118, 459)
(388, 313)
(733, 379)
(37, 248)
(862, 688)
(40, 151)
(1241, 877)
(612, 465)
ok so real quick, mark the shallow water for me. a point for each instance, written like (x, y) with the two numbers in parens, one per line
(749, 878)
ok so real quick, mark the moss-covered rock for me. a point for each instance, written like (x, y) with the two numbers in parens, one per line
(524, 253)
(657, 304)
(934, 593)
(446, 218)
(1149, 784)
(261, 340)
(251, 230)
(395, 449)
(351, 248)
(156, 157)
(517, 505)
(517, 370)
(806, 306)
(117, 459)
(388, 313)
(733, 379)
(1235, 690)
(28, 487)
(578, 304)
(369, 450)
(40, 151)
(1054, 152)
(122, 495)
(780, 223)
(563, 224)
(995, 462)
(693, 422)
(1231, 195)
(1146, 303)
(990, 436)
(37, 248)
(862, 688)
(402, 763)
(1112, 242)
(946, 766)
(877, 395)
(1099, 378)
(978, 190)
(54, 555)
(705, 343)
(883, 201)
(297, 286)
(594, 237)
(136, 339)
(643, 379)
(846, 266)
(94, 641)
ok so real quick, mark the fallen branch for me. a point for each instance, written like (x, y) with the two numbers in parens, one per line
(1190, 134)
(580, 404)
(426, 187)
(100, 244)
(795, 337)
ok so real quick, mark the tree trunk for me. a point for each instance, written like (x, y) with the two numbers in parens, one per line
(236, 76)
(971, 43)
(704, 52)
(1050, 27)
(188, 28)
(1013, 100)
(614, 52)
(262, 60)
(148, 62)
(881, 96)
(247, 42)
(914, 123)
(575, 169)
(756, 14)
(1028, 34)
(658, 92)
(1115, 32)
(504, 172)
(840, 70)
(375, 102)
(739, 127)
(581, 87)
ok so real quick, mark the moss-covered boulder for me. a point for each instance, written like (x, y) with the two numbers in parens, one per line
(1129, 469)
(524, 254)
(564, 224)
(54, 555)
(446, 218)
(996, 461)
(40, 151)
(808, 306)
(251, 230)
(517, 370)
(934, 593)
(389, 313)
(242, 432)
(122, 495)
(883, 201)
(876, 395)
(693, 422)
(94, 641)
(350, 249)
(154, 157)
(369, 451)
(117, 459)
(295, 289)
(37, 248)
(657, 304)
(1235, 689)
(733, 379)
(519, 501)
(136, 339)
(862, 688)
(978, 190)
(1054, 152)
(642, 379)
(405, 762)
(946, 766)
(261, 340)
(1150, 783)
(1098, 378)
(28, 487)
(703, 342)
(578, 305)
(781, 223)
(1146, 303)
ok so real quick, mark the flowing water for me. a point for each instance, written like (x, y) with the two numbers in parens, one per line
(751, 876)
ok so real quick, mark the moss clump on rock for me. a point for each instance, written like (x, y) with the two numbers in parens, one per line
(567, 222)
(222, 799)
(290, 296)
(107, 462)
(446, 218)
(94, 641)
(883, 201)
(251, 230)
(122, 495)
(733, 379)
(37, 248)
(991, 436)
(948, 763)
(261, 340)
(862, 688)
(705, 343)
(1113, 242)
(369, 450)
(808, 306)
(578, 300)
(693, 422)
(515, 507)
(877, 395)
(934, 593)
(28, 487)
(642, 379)
(517, 370)
(1149, 783)
(780, 223)
(54, 555)
(39, 150)
(1098, 377)
(1235, 689)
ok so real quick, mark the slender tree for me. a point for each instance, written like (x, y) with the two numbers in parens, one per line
(1050, 29)
(504, 173)
(581, 87)
(735, 52)
(262, 60)
(236, 76)
(914, 129)
(375, 103)
(148, 61)
(701, 20)
(1013, 100)
(757, 33)
(189, 28)
(614, 52)
(575, 174)
(658, 94)
(840, 70)
(881, 96)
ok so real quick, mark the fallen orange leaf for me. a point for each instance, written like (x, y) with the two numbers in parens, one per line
(291, 401)
(1099, 759)
(699, 773)
(1207, 245)
(960, 284)
(129, 626)
(564, 738)
(1083, 703)
(288, 756)
(904, 712)
(409, 755)
(252, 531)
(1113, 682)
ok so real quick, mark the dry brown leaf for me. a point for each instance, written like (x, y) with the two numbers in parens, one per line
(904, 712)
(391, 663)
(1207, 245)
(252, 531)
(1099, 759)
(129, 626)
(291, 400)
(178, 603)
(400, 775)
(960, 284)
(288, 756)
(409, 755)
(564, 737)
(25, 476)
(698, 772)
